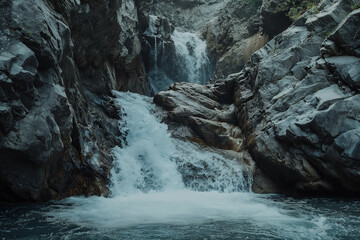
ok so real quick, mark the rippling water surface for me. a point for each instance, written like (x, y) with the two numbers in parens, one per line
(208, 216)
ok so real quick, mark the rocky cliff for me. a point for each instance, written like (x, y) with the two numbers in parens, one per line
(294, 106)
(59, 61)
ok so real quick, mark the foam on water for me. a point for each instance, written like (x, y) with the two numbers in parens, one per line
(167, 207)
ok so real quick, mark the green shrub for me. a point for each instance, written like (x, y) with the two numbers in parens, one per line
(355, 6)
(298, 7)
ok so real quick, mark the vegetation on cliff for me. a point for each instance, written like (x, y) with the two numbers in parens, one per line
(298, 7)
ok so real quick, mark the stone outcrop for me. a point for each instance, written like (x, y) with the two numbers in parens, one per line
(206, 115)
(59, 61)
(296, 104)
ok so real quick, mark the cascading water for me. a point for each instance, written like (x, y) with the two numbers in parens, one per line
(192, 51)
(182, 58)
(159, 179)
(153, 160)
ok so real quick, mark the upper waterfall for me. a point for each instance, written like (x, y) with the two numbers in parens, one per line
(174, 56)
(193, 52)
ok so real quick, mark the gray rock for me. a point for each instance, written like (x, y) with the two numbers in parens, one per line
(349, 142)
(233, 36)
(347, 36)
(6, 119)
(202, 114)
(295, 112)
(347, 68)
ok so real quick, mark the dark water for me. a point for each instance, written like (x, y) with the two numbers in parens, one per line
(300, 219)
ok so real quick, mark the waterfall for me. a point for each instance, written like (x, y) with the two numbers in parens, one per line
(160, 179)
(153, 160)
(192, 52)
(180, 58)
(159, 182)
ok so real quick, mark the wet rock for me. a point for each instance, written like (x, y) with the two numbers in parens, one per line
(240, 29)
(233, 35)
(347, 36)
(204, 110)
(263, 184)
(347, 68)
(202, 114)
(349, 143)
(6, 119)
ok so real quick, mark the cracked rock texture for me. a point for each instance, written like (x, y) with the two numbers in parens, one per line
(295, 107)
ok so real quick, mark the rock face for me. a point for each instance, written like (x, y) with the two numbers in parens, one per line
(241, 28)
(295, 107)
(58, 64)
(234, 35)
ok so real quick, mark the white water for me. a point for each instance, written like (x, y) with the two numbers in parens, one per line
(161, 180)
(152, 30)
(153, 160)
(193, 51)
(189, 63)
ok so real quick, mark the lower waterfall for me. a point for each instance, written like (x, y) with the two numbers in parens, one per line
(160, 179)
(168, 189)
(154, 161)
